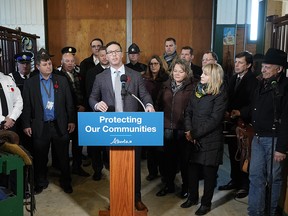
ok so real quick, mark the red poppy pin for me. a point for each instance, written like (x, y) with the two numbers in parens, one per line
(12, 89)
(128, 78)
(56, 86)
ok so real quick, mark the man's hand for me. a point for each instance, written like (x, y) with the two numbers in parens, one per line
(149, 108)
(80, 108)
(28, 131)
(235, 113)
(188, 136)
(278, 156)
(71, 127)
(9, 123)
(102, 106)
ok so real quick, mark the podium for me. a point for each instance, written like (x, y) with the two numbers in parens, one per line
(121, 131)
(122, 193)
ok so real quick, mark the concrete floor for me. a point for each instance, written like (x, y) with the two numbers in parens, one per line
(91, 196)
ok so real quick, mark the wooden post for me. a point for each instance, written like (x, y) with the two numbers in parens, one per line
(122, 189)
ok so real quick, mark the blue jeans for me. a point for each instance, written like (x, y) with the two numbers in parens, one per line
(259, 175)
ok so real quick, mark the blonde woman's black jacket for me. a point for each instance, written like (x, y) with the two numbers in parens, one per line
(203, 118)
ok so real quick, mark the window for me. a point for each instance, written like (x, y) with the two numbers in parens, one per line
(254, 20)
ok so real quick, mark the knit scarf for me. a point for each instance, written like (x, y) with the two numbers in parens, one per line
(201, 90)
(169, 58)
(175, 88)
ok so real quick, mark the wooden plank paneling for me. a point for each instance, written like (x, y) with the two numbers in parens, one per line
(75, 23)
(188, 21)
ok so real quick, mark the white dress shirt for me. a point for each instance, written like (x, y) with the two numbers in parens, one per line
(13, 97)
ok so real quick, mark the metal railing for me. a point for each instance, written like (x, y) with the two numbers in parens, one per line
(11, 42)
(279, 33)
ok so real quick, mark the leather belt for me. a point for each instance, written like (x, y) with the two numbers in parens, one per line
(52, 122)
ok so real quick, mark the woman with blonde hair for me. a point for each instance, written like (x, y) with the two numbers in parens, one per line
(203, 129)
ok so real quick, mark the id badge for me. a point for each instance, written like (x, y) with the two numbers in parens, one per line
(50, 105)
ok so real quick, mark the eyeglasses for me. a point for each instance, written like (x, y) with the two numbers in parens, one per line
(154, 63)
(208, 60)
(96, 46)
(116, 52)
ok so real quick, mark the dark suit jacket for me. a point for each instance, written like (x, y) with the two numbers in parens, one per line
(241, 97)
(33, 111)
(197, 71)
(90, 77)
(103, 90)
(86, 64)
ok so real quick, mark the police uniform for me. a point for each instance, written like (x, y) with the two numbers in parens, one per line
(134, 49)
(74, 78)
(13, 98)
(21, 58)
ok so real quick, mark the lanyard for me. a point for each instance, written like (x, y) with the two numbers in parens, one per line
(46, 90)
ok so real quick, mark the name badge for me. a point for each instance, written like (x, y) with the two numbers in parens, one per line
(49, 105)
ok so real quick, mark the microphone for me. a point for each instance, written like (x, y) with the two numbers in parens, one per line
(123, 79)
(274, 85)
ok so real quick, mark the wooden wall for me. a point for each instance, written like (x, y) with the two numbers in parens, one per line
(75, 23)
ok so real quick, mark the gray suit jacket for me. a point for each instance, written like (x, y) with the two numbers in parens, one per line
(103, 90)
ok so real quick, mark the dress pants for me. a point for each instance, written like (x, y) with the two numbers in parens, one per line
(76, 149)
(41, 147)
(153, 160)
(209, 174)
(175, 156)
(99, 156)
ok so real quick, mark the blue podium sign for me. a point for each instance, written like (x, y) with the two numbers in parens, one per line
(120, 128)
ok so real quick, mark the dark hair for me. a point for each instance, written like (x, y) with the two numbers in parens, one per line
(257, 63)
(248, 57)
(111, 43)
(42, 57)
(96, 39)
(188, 48)
(162, 72)
(171, 39)
(102, 48)
(214, 55)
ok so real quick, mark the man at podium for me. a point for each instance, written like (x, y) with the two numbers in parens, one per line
(115, 89)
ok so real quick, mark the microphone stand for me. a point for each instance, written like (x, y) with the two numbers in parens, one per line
(137, 100)
(274, 127)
